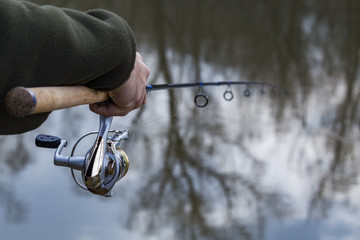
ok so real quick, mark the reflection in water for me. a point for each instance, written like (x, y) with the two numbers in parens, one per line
(14, 207)
(14, 159)
(342, 174)
(280, 47)
(190, 189)
(187, 188)
(311, 48)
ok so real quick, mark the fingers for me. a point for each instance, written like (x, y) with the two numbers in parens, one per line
(129, 96)
(111, 109)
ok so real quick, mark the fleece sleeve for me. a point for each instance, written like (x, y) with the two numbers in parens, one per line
(51, 46)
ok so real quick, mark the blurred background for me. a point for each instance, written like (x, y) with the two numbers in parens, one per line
(262, 167)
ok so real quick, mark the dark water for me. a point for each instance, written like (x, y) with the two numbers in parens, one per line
(266, 167)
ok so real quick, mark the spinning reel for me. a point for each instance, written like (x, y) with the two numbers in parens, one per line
(103, 165)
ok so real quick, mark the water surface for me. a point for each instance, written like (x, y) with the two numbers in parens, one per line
(267, 167)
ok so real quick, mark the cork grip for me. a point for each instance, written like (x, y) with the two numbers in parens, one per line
(21, 102)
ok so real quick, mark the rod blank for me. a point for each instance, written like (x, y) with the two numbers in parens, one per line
(155, 87)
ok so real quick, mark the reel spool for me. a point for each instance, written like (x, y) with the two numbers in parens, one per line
(104, 163)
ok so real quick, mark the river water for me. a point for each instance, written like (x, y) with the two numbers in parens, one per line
(272, 166)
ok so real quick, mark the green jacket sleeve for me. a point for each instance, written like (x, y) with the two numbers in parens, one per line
(51, 46)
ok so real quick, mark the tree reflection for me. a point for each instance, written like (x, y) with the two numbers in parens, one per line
(15, 209)
(342, 173)
(268, 41)
(15, 158)
(188, 186)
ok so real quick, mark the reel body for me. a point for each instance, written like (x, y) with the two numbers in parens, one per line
(103, 165)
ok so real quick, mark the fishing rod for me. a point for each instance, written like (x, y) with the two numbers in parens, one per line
(105, 163)
(21, 102)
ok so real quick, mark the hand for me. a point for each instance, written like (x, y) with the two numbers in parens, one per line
(129, 96)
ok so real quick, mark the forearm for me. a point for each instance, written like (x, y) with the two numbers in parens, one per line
(46, 46)
(50, 46)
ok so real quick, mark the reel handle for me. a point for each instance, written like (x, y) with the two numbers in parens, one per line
(47, 141)
(21, 102)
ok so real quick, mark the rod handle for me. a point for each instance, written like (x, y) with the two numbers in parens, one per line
(21, 102)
